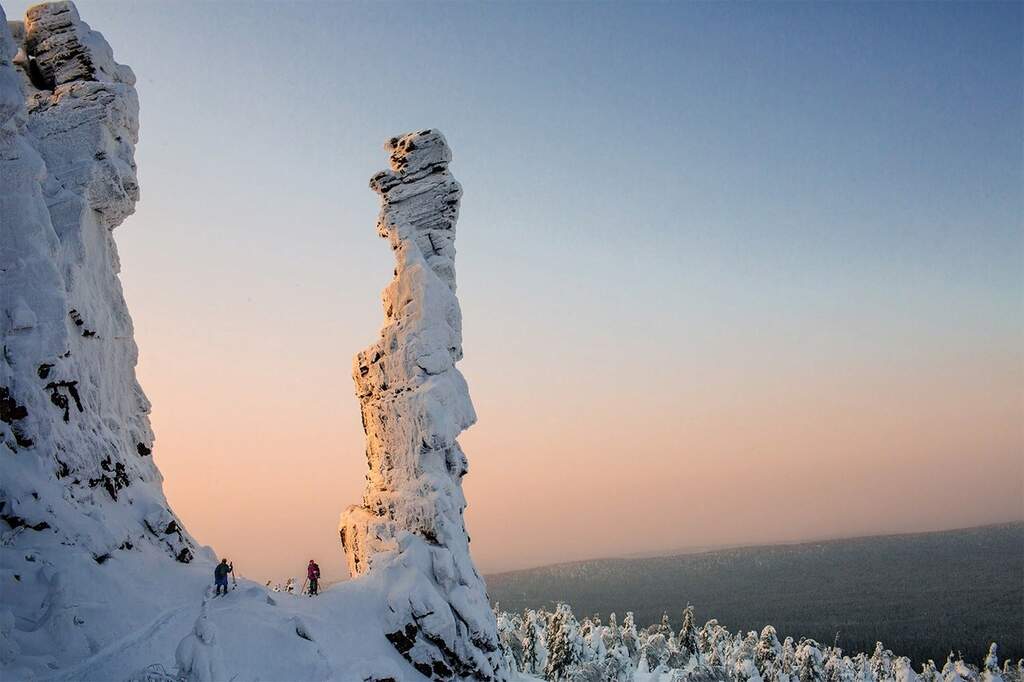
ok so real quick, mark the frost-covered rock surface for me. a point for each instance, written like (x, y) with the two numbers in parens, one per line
(409, 528)
(78, 486)
(76, 458)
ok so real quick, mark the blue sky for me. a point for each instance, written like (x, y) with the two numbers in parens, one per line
(670, 209)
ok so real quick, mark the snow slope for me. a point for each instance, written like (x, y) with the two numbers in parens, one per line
(259, 635)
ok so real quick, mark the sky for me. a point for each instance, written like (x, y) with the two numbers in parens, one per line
(730, 273)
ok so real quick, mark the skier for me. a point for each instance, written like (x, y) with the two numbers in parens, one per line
(313, 574)
(220, 575)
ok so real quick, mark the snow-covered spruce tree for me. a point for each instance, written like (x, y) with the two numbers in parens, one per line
(881, 663)
(594, 648)
(511, 646)
(742, 661)
(655, 650)
(929, 672)
(677, 659)
(611, 636)
(713, 641)
(534, 646)
(734, 649)
(768, 652)
(618, 666)
(1013, 672)
(409, 528)
(838, 668)
(665, 627)
(810, 661)
(705, 638)
(990, 668)
(957, 670)
(903, 671)
(563, 643)
(687, 636)
(629, 636)
(787, 661)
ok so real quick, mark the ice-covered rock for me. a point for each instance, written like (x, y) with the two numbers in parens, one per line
(77, 479)
(414, 404)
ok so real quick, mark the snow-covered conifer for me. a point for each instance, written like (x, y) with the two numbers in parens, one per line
(990, 668)
(743, 666)
(563, 643)
(665, 627)
(903, 671)
(787, 660)
(618, 666)
(881, 663)
(768, 651)
(594, 642)
(705, 637)
(611, 636)
(655, 650)
(929, 672)
(839, 668)
(630, 637)
(687, 637)
(534, 647)
(510, 644)
(809, 661)
(862, 664)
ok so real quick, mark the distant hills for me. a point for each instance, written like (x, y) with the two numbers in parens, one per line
(921, 594)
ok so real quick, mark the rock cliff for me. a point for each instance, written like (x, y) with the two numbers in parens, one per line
(77, 479)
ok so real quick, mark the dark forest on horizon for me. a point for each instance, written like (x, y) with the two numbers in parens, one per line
(922, 595)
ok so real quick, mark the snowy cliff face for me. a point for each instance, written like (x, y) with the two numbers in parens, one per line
(77, 479)
(414, 404)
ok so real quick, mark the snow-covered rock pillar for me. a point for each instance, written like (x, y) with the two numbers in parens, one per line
(414, 404)
(75, 438)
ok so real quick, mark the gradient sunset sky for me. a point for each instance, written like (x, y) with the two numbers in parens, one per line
(730, 273)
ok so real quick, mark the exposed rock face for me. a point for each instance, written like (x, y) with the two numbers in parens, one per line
(414, 404)
(76, 475)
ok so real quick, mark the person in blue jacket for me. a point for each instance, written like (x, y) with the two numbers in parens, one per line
(220, 575)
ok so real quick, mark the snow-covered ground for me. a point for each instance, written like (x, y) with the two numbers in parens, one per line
(111, 621)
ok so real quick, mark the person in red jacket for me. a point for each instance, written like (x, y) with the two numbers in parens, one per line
(313, 573)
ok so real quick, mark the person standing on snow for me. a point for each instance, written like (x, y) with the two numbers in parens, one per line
(313, 573)
(220, 575)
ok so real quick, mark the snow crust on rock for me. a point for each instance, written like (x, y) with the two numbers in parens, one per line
(414, 403)
(76, 460)
(78, 486)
